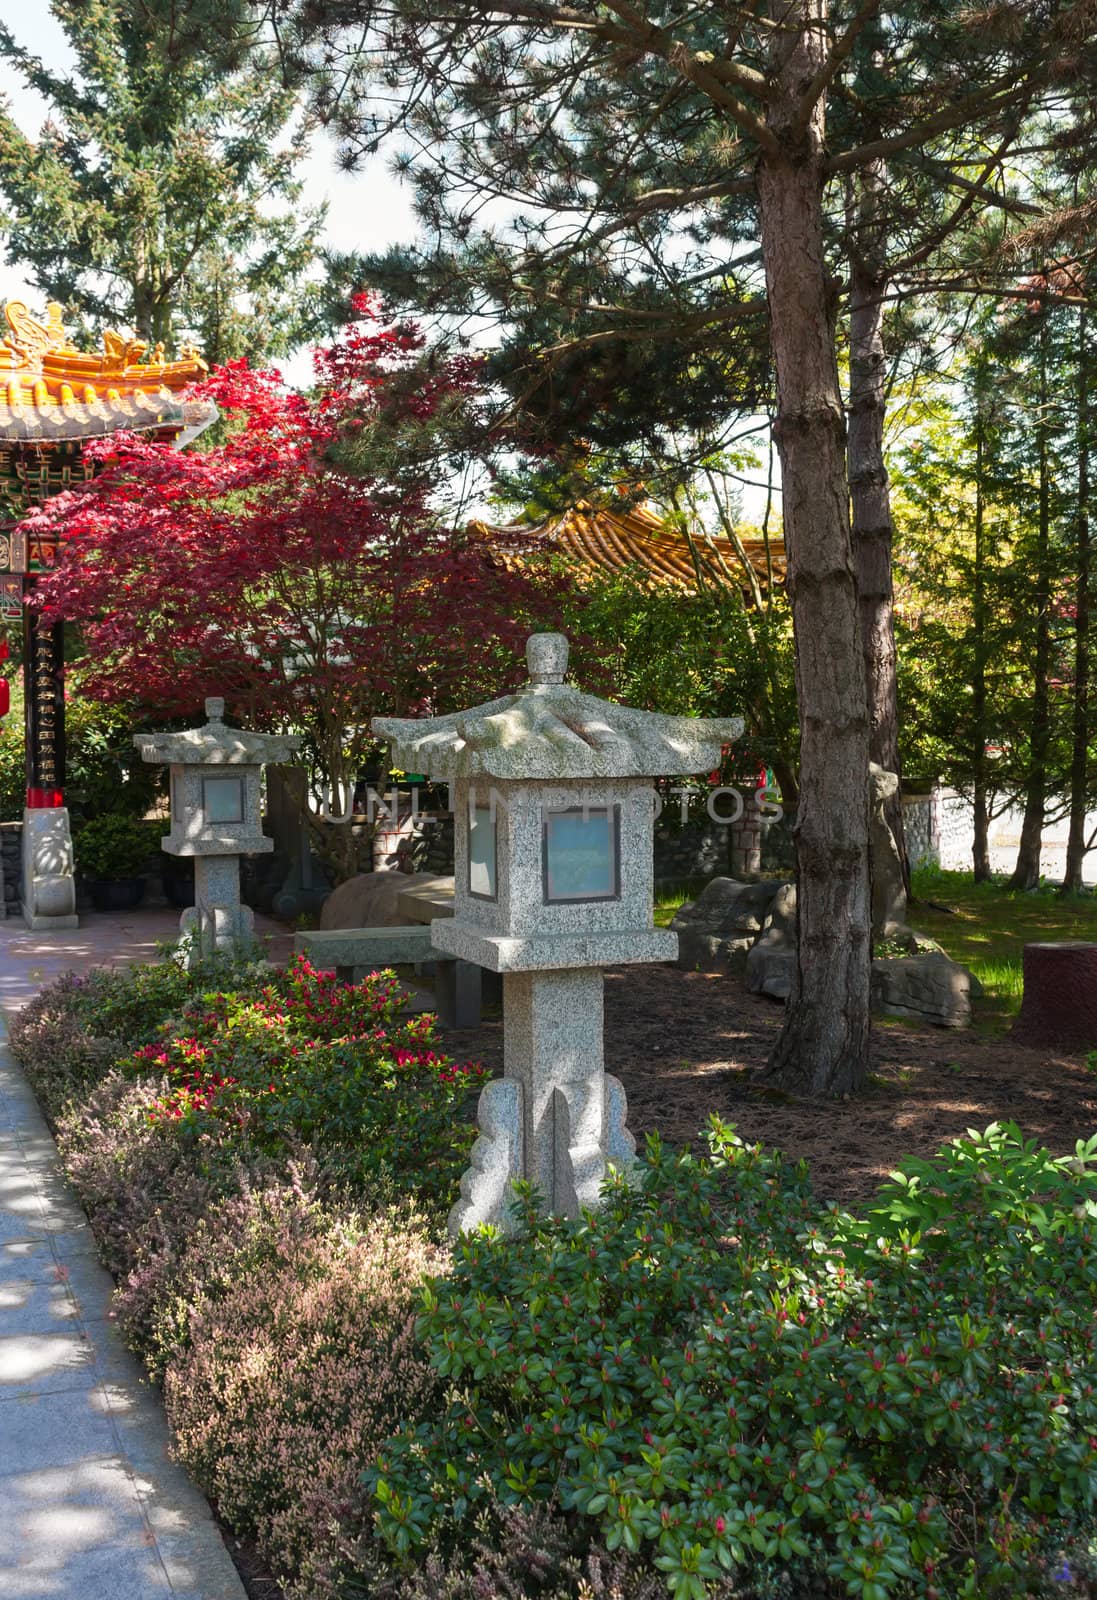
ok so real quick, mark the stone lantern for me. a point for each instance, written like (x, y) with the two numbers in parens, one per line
(215, 818)
(554, 808)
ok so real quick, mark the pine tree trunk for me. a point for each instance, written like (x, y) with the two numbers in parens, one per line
(869, 491)
(1079, 757)
(823, 1046)
(1026, 874)
(981, 841)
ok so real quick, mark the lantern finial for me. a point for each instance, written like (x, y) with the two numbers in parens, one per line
(547, 657)
(215, 708)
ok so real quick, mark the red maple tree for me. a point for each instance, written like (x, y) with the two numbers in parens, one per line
(296, 567)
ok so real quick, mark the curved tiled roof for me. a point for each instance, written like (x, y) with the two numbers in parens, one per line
(49, 390)
(606, 540)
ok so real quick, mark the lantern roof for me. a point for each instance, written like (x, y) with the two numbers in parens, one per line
(550, 730)
(50, 390)
(215, 744)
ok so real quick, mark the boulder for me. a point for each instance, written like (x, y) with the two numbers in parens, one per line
(770, 972)
(928, 988)
(369, 900)
(720, 926)
(771, 965)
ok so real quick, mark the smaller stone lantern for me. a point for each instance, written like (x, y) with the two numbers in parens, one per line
(553, 800)
(215, 818)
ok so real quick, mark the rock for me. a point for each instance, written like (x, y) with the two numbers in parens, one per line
(771, 965)
(720, 926)
(369, 900)
(929, 988)
(770, 972)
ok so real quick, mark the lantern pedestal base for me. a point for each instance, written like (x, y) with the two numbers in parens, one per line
(49, 887)
(217, 924)
(555, 1118)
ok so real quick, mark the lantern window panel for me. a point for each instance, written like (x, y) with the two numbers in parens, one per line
(222, 800)
(483, 853)
(581, 854)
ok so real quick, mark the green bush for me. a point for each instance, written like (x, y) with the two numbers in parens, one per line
(115, 846)
(103, 771)
(720, 1378)
(338, 1066)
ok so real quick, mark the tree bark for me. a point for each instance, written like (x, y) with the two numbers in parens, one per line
(870, 496)
(1026, 874)
(981, 841)
(1079, 756)
(823, 1046)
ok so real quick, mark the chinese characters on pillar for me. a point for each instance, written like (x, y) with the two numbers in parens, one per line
(44, 680)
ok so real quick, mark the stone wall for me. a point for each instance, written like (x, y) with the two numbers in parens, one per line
(957, 835)
(11, 847)
(921, 829)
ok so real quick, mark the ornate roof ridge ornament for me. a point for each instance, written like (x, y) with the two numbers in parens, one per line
(50, 390)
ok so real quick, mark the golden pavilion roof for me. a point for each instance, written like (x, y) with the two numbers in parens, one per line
(613, 540)
(50, 390)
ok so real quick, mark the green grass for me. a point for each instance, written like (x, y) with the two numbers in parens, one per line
(987, 927)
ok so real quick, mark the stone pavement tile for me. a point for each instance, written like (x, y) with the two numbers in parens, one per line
(39, 1432)
(34, 1304)
(76, 1265)
(29, 1258)
(61, 1211)
(22, 1215)
(45, 1363)
(77, 1531)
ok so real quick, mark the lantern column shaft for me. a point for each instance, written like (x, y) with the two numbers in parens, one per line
(552, 1047)
(217, 923)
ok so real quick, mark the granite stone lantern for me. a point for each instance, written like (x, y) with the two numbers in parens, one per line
(215, 819)
(553, 800)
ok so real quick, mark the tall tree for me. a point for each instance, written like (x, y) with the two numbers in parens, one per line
(614, 118)
(1078, 843)
(162, 192)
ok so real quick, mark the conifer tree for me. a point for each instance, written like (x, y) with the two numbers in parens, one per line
(162, 192)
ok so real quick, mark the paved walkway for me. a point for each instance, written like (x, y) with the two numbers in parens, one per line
(28, 961)
(91, 1507)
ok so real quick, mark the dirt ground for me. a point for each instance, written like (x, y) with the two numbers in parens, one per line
(685, 1044)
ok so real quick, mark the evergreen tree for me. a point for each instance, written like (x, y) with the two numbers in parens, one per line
(161, 194)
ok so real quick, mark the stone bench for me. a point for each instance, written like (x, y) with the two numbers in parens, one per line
(356, 952)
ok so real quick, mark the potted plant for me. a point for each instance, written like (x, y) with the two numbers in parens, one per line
(112, 852)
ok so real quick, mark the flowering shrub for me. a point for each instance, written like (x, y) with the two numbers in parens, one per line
(533, 1552)
(145, 1184)
(289, 1352)
(61, 1055)
(312, 1060)
(717, 1376)
(71, 1033)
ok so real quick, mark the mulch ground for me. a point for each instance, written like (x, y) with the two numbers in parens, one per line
(686, 1044)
